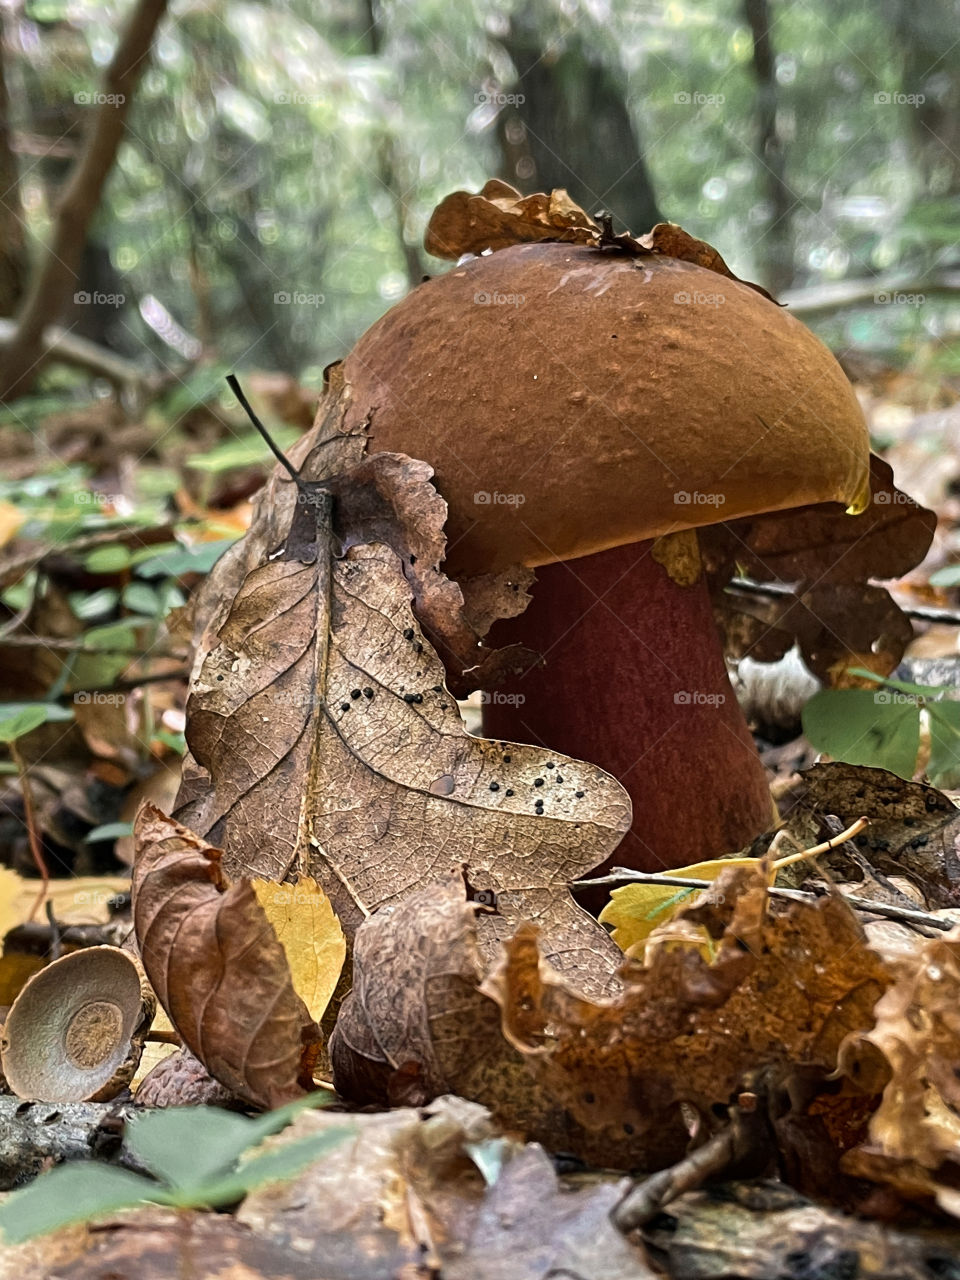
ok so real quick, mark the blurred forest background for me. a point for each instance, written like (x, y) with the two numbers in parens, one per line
(224, 184)
(280, 161)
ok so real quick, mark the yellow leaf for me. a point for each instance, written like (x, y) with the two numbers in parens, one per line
(635, 910)
(10, 521)
(10, 886)
(310, 934)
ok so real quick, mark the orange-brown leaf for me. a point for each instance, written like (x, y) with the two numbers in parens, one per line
(216, 964)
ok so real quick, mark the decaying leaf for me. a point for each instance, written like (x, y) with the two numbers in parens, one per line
(406, 1192)
(757, 1230)
(913, 828)
(914, 1135)
(787, 985)
(217, 965)
(831, 610)
(324, 740)
(415, 1025)
(500, 216)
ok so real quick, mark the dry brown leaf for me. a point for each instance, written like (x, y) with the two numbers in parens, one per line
(416, 1025)
(828, 558)
(500, 216)
(914, 1141)
(324, 740)
(786, 987)
(216, 965)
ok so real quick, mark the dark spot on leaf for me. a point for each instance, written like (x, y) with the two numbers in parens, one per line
(494, 786)
(408, 633)
(538, 782)
(354, 693)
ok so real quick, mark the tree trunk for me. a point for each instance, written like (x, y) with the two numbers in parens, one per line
(13, 249)
(571, 127)
(58, 271)
(776, 248)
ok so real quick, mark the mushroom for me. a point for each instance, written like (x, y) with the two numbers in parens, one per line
(579, 407)
(76, 1031)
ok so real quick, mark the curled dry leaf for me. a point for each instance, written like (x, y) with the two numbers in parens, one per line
(217, 965)
(787, 985)
(914, 1135)
(914, 828)
(415, 1024)
(498, 216)
(324, 740)
(828, 557)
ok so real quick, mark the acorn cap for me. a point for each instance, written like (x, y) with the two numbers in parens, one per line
(76, 1031)
(571, 399)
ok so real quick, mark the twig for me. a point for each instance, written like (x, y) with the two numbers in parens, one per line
(164, 1037)
(841, 838)
(33, 835)
(646, 1200)
(234, 385)
(904, 915)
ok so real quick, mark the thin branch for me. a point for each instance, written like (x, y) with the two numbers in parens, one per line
(58, 271)
(904, 915)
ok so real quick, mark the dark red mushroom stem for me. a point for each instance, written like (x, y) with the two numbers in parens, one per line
(635, 682)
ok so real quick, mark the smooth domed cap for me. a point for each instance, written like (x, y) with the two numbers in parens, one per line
(571, 399)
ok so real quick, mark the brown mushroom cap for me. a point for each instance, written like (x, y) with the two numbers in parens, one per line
(75, 1032)
(599, 399)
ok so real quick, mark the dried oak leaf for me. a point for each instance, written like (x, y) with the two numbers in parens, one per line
(914, 828)
(914, 1135)
(217, 965)
(416, 1025)
(786, 987)
(828, 557)
(383, 497)
(323, 740)
(500, 216)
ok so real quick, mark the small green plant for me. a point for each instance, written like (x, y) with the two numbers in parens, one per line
(881, 727)
(195, 1154)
